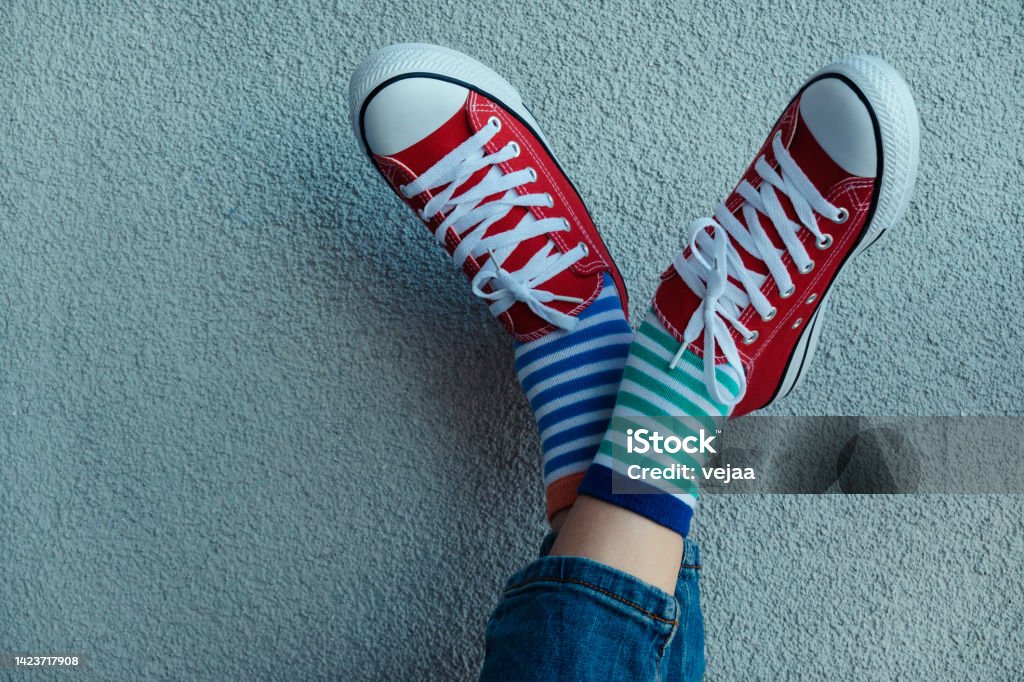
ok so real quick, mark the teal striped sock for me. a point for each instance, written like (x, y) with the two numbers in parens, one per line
(672, 402)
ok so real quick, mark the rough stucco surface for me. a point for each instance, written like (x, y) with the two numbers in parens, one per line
(253, 425)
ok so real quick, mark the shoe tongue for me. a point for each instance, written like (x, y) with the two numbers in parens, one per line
(814, 160)
(754, 264)
(516, 215)
(819, 167)
(421, 156)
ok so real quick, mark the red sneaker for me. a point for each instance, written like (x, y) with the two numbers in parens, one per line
(835, 173)
(455, 141)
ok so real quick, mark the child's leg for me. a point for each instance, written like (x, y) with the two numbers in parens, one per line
(621, 539)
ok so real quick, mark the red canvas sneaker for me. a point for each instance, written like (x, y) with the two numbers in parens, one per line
(748, 293)
(454, 140)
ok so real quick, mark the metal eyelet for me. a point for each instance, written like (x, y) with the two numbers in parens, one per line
(566, 226)
(798, 322)
(811, 299)
(533, 174)
(750, 339)
(515, 148)
(401, 188)
(494, 122)
(826, 241)
(770, 316)
(586, 251)
(551, 200)
(789, 292)
(805, 270)
(842, 217)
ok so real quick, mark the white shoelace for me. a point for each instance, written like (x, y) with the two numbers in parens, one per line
(714, 259)
(469, 217)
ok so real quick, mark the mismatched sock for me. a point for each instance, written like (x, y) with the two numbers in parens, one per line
(652, 393)
(571, 379)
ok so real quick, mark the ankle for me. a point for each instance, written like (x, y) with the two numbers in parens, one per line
(622, 539)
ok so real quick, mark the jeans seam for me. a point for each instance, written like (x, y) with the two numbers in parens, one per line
(674, 622)
(685, 606)
(668, 639)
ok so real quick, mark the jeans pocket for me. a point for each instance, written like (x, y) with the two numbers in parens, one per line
(686, 659)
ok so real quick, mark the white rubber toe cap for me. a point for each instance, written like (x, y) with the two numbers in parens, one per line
(841, 124)
(408, 110)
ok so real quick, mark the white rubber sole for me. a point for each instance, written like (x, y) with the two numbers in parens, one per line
(404, 59)
(893, 107)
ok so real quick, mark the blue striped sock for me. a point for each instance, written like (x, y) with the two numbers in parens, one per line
(571, 379)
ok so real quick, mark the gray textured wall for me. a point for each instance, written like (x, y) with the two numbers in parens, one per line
(253, 425)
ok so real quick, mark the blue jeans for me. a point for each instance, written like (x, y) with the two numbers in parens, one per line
(570, 618)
